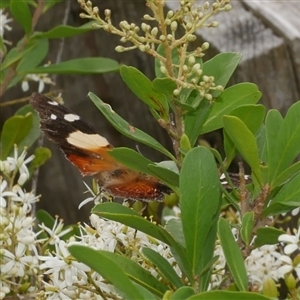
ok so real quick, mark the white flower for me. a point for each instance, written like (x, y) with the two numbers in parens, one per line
(3, 22)
(263, 263)
(17, 263)
(19, 162)
(26, 199)
(42, 79)
(57, 289)
(3, 193)
(63, 265)
(96, 198)
(56, 232)
(292, 242)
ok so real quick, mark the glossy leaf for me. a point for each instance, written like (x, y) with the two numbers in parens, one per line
(232, 97)
(252, 116)
(174, 226)
(21, 13)
(163, 266)
(183, 293)
(221, 67)
(228, 295)
(107, 268)
(245, 143)
(194, 120)
(289, 196)
(287, 174)
(137, 273)
(287, 142)
(64, 31)
(199, 203)
(247, 227)
(233, 255)
(267, 236)
(88, 65)
(15, 129)
(142, 87)
(126, 129)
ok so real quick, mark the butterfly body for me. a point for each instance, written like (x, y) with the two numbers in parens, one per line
(88, 151)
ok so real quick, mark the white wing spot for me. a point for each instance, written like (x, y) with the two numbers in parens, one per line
(52, 103)
(53, 117)
(71, 117)
(87, 141)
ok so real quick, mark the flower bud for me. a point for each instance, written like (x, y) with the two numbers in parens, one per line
(205, 46)
(176, 92)
(206, 5)
(208, 97)
(163, 69)
(154, 31)
(22, 179)
(119, 49)
(170, 14)
(107, 12)
(191, 60)
(174, 26)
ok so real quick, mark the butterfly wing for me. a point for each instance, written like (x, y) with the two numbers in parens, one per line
(81, 144)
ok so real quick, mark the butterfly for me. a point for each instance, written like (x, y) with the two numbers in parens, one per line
(88, 151)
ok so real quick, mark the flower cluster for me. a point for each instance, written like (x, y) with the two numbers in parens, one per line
(35, 260)
(174, 31)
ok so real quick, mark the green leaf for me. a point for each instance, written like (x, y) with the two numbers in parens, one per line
(131, 159)
(64, 31)
(232, 97)
(128, 217)
(41, 155)
(287, 142)
(15, 129)
(34, 131)
(221, 67)
(107, 268)
(44, 217)
(245, 142)
(261, 141)
(287, 174)
(199, 203)
(252, 116)
(88, 65)
(14, 55)
(166, 270)
(247, 227)
(227, 295)
(21, 13)
(4, 3)
(137, 273)
(267, 236)
(194, 120)
(35, 56)
(183, 293)
(287, 197)
(166, 175)
(233, 255)
(126, 129)
(164, 86)
(142, 87)
(174, 226)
